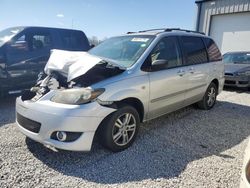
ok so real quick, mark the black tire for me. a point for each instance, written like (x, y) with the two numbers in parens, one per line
(108, 129)
(205, 104)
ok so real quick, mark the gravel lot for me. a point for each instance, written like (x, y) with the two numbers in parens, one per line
(188, 148)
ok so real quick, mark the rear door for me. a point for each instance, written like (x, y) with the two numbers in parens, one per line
(197, 66)
(168, 84)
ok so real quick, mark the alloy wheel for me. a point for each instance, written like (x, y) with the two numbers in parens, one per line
(211, 96)
(124, 129)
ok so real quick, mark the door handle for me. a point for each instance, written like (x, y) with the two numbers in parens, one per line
(191, 70)
(181, 72)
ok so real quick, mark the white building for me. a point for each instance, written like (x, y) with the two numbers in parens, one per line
(227, 21)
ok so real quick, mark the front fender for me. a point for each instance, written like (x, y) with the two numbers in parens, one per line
(136, 87)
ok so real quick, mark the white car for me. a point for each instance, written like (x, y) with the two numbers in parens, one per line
(245, 176)
(120, 83)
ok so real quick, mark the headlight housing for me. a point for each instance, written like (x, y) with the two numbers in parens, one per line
(76, 96)
(246, 73)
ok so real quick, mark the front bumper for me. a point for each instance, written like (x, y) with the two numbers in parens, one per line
(61, 117)
(237, 81)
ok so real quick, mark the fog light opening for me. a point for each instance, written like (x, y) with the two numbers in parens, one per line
(61, 136)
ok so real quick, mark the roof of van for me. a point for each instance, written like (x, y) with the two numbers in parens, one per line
(41, 27)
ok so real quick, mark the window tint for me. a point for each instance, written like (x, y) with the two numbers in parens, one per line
(41, 41)
(20, 45)
(32, 42)
(237, 58)
(195, 50)
(73, 40)
(167, 49)
(212, 50)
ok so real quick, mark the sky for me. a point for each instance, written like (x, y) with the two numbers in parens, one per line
(100, 18)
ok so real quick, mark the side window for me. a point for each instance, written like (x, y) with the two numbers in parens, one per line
(32, 42)
(40, 41)
(74, 40)
(167, 49)
(212, 50)
(19, 45)
(195, 50)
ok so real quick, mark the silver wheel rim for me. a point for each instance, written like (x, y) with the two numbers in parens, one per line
(211, 96)
(124, 129)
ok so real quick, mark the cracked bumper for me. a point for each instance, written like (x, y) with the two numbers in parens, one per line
(61, 117)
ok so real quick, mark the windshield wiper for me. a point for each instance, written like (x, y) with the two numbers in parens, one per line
(113, 63)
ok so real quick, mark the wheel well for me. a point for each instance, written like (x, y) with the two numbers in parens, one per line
(136, 103)
(216, 82)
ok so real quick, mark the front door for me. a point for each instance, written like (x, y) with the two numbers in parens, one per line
(167, 84)
(26, 57)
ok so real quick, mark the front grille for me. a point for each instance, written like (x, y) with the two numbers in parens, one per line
(229, 74)
(230, 82)
(28, 124)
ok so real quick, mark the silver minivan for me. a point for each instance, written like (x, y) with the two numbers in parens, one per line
(108, 91)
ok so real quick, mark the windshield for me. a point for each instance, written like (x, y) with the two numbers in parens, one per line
(7, 34)
(237, 58)
(124, 50)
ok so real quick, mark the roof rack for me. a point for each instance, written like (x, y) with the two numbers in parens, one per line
(131, 32)
(168, 30)
(186, 30)
(152, 30)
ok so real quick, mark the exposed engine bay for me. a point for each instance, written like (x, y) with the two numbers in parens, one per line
(67, 70)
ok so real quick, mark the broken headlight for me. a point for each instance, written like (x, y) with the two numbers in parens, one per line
(76, 96)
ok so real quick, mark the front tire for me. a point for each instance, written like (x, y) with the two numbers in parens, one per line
(118, 131)
(209, 98)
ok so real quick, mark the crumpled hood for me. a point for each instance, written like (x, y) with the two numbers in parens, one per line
(233, 68)
(70, 64)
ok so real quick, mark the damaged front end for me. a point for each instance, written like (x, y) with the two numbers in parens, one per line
(70, 75)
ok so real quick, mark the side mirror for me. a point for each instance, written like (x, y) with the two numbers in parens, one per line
(159, 64)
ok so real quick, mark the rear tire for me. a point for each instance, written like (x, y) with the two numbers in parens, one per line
(118, 131)
(209, 98)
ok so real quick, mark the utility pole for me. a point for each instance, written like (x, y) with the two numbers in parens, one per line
(72, 23)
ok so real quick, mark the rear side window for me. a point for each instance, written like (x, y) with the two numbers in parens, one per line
(212, 50)
(74, 40)
(195, 50)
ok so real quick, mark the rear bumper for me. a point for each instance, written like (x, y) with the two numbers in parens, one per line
(237, 81)
(60, 117)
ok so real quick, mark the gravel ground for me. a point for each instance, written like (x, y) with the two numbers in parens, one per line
(188, 148)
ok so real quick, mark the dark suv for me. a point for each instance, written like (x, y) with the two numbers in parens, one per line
(24, 52)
